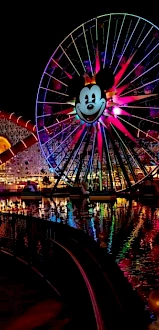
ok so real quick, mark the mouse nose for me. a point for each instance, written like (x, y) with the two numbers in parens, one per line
(90, 106)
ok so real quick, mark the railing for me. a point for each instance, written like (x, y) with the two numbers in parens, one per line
(32, 241)
(57, 251)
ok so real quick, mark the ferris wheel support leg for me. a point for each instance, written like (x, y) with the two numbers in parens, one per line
(121, 163)
(100, 177)
(82, 156)
(106, 150)
(128, 162)
(65, 166)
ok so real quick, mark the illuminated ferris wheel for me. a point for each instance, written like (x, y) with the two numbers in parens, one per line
(97, 108)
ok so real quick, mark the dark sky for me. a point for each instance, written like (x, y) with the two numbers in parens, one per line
(29, 35)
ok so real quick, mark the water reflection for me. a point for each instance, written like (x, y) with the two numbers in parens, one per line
(127, 229)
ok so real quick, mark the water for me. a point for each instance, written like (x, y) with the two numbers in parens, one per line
(127, 229)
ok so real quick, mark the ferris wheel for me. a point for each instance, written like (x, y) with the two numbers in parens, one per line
(97, 107)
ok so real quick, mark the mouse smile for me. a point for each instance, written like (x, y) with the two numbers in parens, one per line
(91, 118)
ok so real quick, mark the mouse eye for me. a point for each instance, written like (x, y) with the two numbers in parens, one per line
(93, 98)
(86, 99)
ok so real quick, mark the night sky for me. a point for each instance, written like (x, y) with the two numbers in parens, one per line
(29, 35)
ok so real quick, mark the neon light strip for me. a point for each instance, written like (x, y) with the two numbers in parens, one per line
(78, 53)
(61, 82)
(90, 63)
(117, 40)
(69, 60)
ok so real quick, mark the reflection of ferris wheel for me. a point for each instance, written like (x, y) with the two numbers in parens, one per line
(97, 106)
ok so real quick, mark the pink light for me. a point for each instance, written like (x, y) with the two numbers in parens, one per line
(97, 62)
(116, 122)
(124, 67)
(100, 142)
(116, 111)
(129, 99)
(78, 135)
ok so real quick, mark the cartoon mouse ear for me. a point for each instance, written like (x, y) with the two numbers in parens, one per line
(74, 86)
(105, 78)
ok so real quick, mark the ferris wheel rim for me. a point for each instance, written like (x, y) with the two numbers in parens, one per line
(76, 29)
(79, 26)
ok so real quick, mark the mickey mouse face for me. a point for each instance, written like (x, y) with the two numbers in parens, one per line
(91, 104)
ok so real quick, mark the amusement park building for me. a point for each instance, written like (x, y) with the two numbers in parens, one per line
(20, 155)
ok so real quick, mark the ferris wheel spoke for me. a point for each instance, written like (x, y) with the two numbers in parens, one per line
(90, 168)
(127, 45)
(56, 124)
(65, 140)
(114, 37)
(108, 159)
(132, 98)
(64, 121)
(60, 81)
(117, 39)
(100, 142)
(126, 154)
(107, 40)
(140, 164)
(82, 156)
(117, 123)
(128, 162)
(85, 38)
(148, 46)
(69, 60)
(88, 173)
(56, 103)
(144, 58)
(140, 34)
(152, 67)
(140, 107)
(100, 152)
(145, 37)
(121, 89)
(44, 115)
(97, 61)
(76, 153)
(152, 60)
(121, 164)
(127, 35)
(65, 150)
(80, 58)
(67, 162)
(138, 129)
(92, 39)
(53, 91)
(145, 119)
(150, 153)
(137, 88)
(78, 135)
(59, 66)
(59, 133)
(126, 147)
(129, 152)
(96, 30)
(121, 72)
(69, 111)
